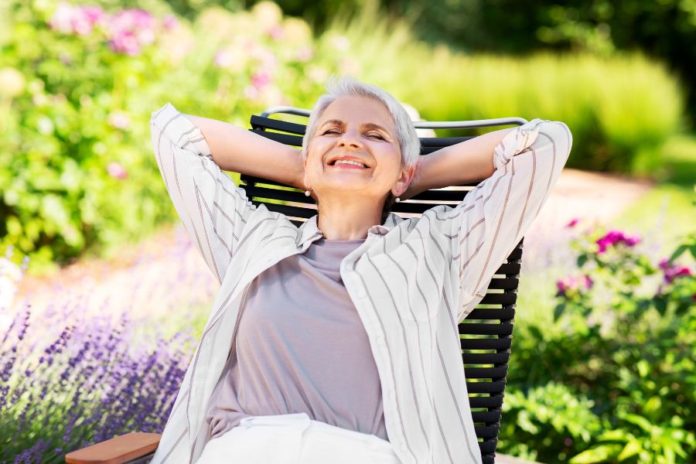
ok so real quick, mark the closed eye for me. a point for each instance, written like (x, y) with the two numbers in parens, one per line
(375, 135)
(329, 131)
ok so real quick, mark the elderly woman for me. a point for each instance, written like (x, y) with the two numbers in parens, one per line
(336, 342)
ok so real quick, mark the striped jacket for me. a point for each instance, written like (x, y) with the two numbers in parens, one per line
(411, 281)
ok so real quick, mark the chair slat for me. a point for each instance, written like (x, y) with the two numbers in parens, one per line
(509, 269)
(488, 447)
(486, 431)
(485, 329)
(291, 210)
(485, 343)
(486, 358)
(489, 402)
(504, 314)
(486, 372)
(260, 123)
(293, 140)
(499, 298)
(487, 417)
(507, 283)
(486, 387)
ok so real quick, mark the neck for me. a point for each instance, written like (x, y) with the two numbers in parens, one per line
(341, 220)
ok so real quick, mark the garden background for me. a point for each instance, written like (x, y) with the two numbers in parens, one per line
(102, 296)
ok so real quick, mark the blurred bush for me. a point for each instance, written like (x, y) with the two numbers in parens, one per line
(78, 83)
(621, 110)
(77, 86)
(623, 347)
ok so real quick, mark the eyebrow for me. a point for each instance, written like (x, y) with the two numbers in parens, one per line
(369, 125)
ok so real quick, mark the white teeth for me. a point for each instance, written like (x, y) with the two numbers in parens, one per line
(356, 163)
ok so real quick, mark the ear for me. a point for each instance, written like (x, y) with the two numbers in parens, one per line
(403, 181)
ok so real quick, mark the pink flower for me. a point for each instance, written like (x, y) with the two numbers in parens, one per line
(588, 282)
(116, 171)
(276, 32)
(94, 14)
(615, 237)
(260, 79)
(130, 29)
(75, 20)
(223, 58)
(573, 284)
(170, 22)
(304, 54)
(573, 222)
(119, 120)
(673, 271)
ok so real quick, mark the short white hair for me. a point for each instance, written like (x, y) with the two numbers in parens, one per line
(346, 86)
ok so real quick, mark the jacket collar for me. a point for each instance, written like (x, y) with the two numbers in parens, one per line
(310, 232)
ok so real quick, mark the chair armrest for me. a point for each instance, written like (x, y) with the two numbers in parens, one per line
(118, 450)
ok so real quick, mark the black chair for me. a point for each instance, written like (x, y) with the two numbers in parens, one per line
(485, 334)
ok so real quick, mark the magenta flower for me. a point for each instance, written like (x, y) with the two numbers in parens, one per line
(572, 223)
(673, 271)
(615, 237)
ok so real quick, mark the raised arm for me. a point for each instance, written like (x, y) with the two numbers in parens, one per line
(491, 220)
(239, 150)
(214, 211)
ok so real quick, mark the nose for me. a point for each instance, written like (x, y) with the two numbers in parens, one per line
(349, 139)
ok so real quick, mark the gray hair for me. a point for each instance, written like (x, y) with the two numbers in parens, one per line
(346, 86)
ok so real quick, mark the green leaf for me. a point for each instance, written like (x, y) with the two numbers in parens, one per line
(631, 449)
(679, 251)
(601, 453)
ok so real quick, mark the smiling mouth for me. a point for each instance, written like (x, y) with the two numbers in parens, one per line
(348, 164)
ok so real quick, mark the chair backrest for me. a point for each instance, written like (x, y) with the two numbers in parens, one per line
(486, 333)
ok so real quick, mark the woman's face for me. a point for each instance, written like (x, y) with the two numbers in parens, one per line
(360, 129)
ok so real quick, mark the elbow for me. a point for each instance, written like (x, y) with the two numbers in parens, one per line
(557, 137)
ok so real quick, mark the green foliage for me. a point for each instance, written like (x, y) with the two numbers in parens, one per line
(79, 175)
(548, 423)
(75, 133)
(624, 340)
(613, 129)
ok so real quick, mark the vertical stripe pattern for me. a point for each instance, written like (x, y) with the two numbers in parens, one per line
(411, 281)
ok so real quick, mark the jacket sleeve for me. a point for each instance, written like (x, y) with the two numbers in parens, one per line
(494, 217)
(212, 208)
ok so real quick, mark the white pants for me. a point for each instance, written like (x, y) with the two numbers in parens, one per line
(295, 439)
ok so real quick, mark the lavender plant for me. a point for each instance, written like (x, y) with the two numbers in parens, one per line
(67, 382)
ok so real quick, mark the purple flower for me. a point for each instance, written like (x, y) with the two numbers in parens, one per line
(673, 271)
(613, 238)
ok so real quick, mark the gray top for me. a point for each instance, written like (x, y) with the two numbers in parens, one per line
(301, 347)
